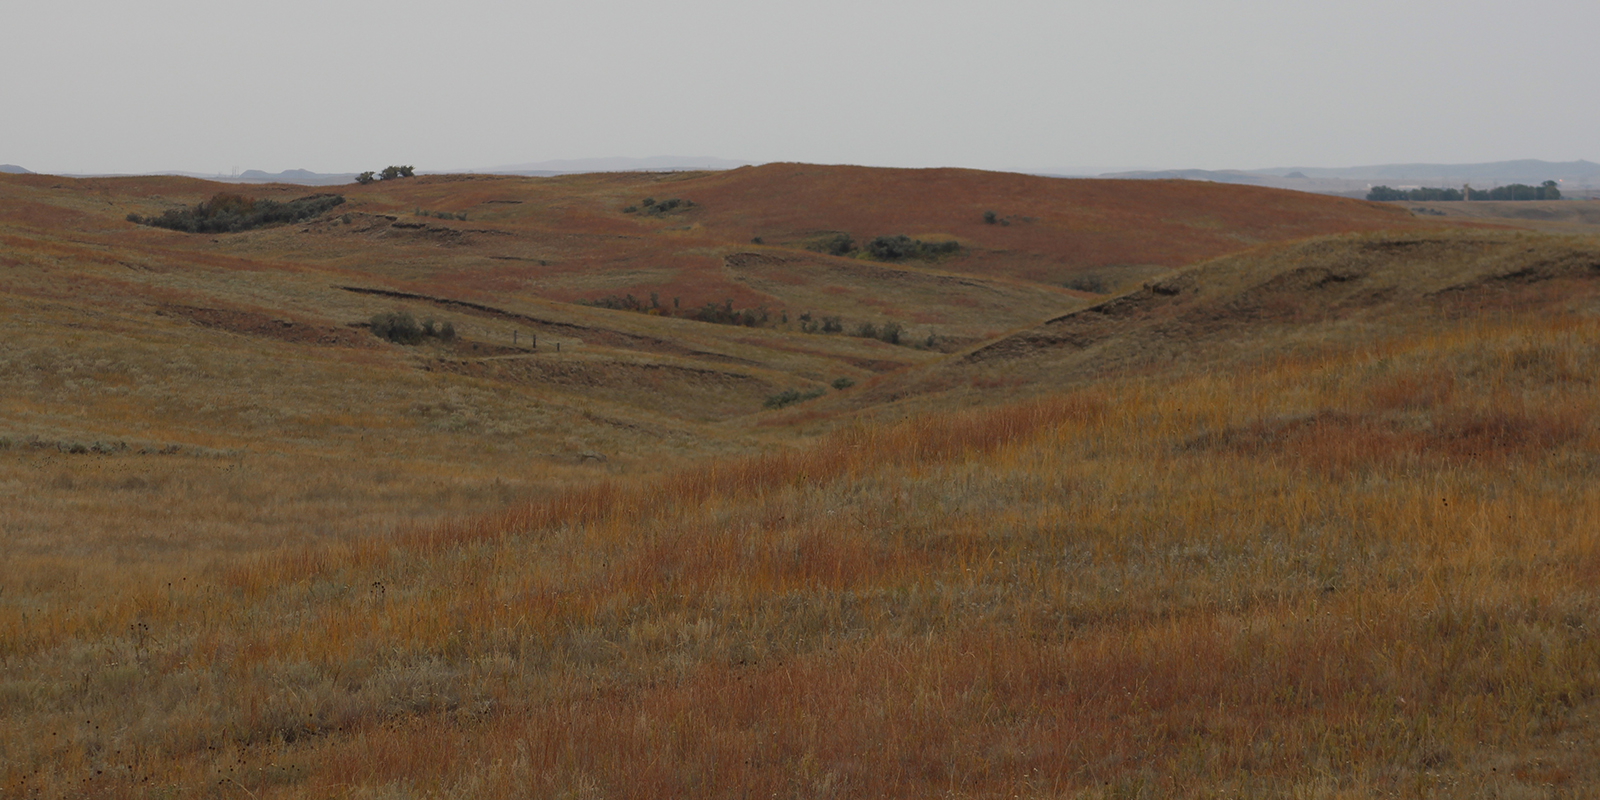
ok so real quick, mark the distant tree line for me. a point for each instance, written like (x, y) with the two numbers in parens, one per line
(1514, 191)
(231, 213)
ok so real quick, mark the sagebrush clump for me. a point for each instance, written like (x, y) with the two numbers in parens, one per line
(899, 248)
(651, 207)
(402, 328)
(792, 396)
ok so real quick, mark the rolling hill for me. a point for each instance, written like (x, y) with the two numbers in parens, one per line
(1167, 489)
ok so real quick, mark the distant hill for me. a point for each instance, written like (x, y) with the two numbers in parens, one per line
(574, 166)
(535, 169)
(1355, 181)
(1527, 170)
(13, 169)
(300, 176)
(1215, 176)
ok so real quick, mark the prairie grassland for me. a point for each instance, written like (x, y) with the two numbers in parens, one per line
(569, 238)
(1352, 561)
(1549, 216)
(1363, 573)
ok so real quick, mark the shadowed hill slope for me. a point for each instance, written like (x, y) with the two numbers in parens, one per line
(1326, 290)
(1281, 301)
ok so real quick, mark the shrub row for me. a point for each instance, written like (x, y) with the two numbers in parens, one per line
(461, 215)
(885, 248)
(651, 207)
(791, 396)
(820, 325)
(725, 314)
(898, 248)
(81, 448)
(231, 213)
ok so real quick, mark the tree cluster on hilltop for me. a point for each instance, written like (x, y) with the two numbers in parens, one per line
(389, 173)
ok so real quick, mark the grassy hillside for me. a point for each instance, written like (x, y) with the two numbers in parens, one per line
(1302, 517)
(241, 353)
(1549, 216)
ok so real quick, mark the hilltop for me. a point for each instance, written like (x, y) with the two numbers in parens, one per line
(1161, 488)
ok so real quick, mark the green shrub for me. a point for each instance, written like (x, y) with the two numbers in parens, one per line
(397, 326)
(365, 177)
(615, 303)
(1088, 283)
(898, 248)
(889, 332)
(402, 328)
(791, 396)
(836, 244)
(809, 324)
(649, 206)
(725, 315)
(843, 383)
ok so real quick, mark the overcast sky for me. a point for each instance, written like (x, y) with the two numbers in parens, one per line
(347, 85)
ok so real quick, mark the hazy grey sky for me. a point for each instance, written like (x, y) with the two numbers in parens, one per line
(345, 85)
